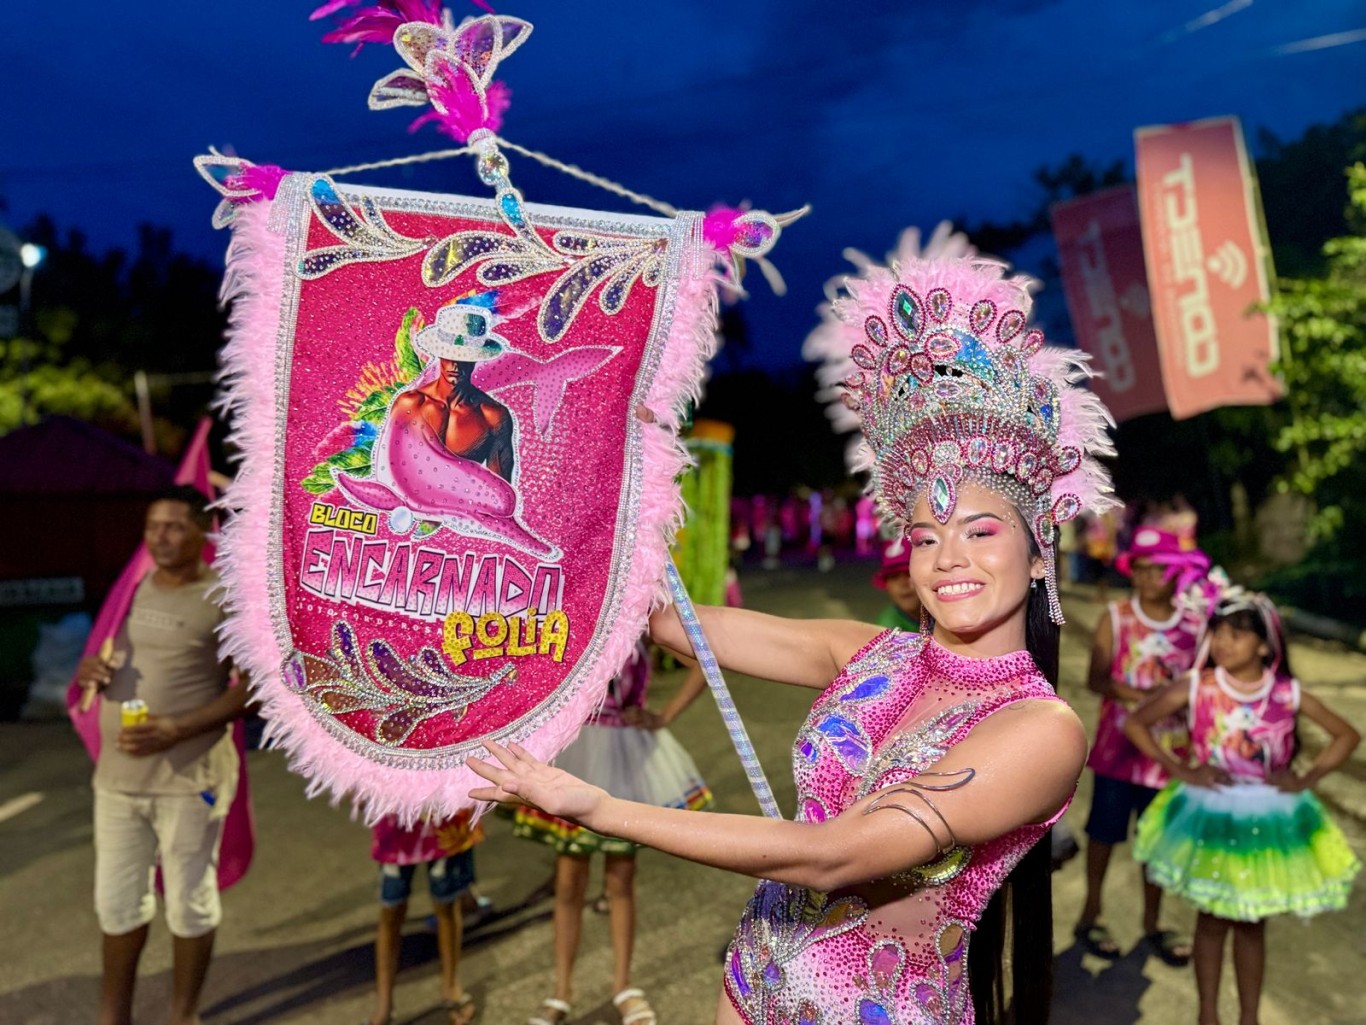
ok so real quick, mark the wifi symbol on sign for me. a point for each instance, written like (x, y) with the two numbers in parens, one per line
(1228, 263)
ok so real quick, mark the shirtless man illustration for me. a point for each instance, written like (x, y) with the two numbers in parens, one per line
(469, 422)
(446, 452)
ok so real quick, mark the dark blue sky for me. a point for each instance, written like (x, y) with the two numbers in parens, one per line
(879, 114)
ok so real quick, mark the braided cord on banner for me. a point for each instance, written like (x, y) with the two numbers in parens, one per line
(573, 170)
(734, 726)
(417, 158)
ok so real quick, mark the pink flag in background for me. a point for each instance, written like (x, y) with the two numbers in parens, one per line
(1207, 266)
(1100, 246)
(238, 830)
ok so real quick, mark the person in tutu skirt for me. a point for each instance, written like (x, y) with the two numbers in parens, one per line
(1238, 832)
(626, 750)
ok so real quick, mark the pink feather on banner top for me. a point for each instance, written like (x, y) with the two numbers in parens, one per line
(459, 419)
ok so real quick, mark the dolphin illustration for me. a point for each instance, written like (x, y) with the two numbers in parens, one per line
(415, 476)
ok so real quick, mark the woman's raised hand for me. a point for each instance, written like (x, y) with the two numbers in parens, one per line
(518, 777)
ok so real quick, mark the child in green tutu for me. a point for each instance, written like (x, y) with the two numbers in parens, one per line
(1238, 832)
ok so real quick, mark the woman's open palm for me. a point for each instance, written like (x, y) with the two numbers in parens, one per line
(518, 777)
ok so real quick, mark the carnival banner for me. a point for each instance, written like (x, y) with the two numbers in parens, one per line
(1207, 265)
(1100, 247)
(459, 418)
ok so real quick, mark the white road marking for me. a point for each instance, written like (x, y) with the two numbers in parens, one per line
(18, 805)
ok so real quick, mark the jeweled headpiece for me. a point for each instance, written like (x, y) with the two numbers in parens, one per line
(950, 384)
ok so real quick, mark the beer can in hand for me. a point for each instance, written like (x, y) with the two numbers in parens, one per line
(133, 712)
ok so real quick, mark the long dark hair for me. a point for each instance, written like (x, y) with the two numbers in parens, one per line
(1264, 621)
(1022, 909)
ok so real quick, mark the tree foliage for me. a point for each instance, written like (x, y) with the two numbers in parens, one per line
(36, 380)
(96, 319)
(1323, 336)
(1301, 188)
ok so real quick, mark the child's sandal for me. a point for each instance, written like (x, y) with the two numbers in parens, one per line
(1097, 940)
(461, 1010)
(1170, 948)
(642, 1014)
(559, 1012)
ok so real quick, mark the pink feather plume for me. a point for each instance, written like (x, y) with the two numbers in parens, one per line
(457, 107)
(718, 227)
(263, 180)
(376, 23)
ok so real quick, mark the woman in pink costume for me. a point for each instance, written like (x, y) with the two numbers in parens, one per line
(930, 765)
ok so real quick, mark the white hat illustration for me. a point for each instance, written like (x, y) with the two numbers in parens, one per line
(462, 333)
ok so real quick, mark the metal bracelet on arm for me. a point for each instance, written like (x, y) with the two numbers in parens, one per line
(917, 788)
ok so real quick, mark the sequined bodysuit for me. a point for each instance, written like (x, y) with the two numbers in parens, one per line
(893, 950)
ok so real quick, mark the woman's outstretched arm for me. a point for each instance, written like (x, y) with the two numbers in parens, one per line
(806, 652)
(1018, 766)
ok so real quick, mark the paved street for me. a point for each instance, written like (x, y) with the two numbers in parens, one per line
(295, 944)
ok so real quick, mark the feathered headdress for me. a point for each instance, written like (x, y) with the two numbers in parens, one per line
(949, 384)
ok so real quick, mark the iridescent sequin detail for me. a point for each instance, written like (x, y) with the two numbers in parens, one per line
(893, 951)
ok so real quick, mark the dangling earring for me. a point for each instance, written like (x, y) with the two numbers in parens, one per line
(1034, 584)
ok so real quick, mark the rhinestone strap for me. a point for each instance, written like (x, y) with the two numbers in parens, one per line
(734, 725)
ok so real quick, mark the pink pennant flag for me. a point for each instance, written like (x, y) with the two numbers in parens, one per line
(459, 420)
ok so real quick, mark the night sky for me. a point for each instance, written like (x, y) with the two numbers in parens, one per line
(879, 114)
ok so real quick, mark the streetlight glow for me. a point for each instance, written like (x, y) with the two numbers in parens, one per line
(31, 255)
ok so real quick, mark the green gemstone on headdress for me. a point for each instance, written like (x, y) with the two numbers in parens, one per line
(906, 314)
(941, 499)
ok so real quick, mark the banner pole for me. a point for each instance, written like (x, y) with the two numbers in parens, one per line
(739, 736)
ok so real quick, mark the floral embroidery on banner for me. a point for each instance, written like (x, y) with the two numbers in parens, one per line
(375, 680)
(587, 262)
(365, 238)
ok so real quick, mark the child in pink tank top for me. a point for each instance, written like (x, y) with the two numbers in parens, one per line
(1238, 832)
(1140, 646)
